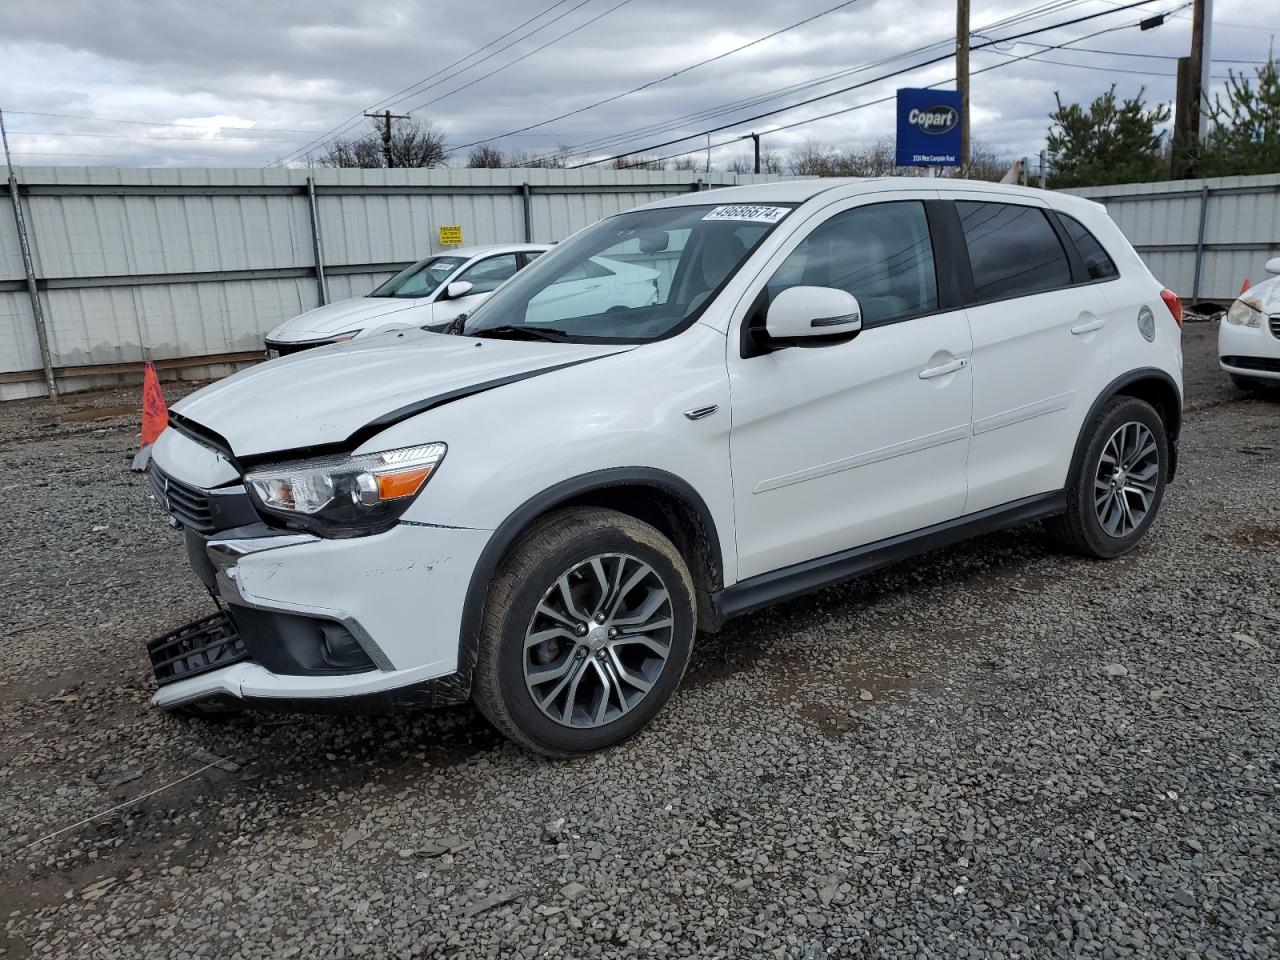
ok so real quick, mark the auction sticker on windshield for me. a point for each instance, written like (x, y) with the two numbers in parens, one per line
(749, 212)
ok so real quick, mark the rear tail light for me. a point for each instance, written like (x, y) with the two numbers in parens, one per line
(1174, 304)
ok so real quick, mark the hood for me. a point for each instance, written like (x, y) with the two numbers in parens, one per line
(1267, 293)
(340, 394)
(337, 318)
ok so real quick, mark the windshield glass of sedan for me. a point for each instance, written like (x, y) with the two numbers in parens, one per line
(421, 279)
(635, 277)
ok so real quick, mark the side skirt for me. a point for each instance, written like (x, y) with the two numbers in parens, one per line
(800, 578)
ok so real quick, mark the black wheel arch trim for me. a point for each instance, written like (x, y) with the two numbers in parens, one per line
(519, 519)
(1116, 387)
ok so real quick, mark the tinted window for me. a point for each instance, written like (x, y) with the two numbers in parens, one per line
(1096, 261)
(1013, 249)
(880, 253)
(488, 274)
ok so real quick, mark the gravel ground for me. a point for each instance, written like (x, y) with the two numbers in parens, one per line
(994, 751)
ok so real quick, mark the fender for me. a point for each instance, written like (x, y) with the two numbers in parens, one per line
(1117, 386)
(519, 519)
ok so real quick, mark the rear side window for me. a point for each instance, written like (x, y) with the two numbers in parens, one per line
(1013, 250)
(1096, 261)
(881, 253)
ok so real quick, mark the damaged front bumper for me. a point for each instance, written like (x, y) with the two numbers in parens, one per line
(366, 623)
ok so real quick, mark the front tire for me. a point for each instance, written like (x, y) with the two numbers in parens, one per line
(587, 632)
(1116, 488)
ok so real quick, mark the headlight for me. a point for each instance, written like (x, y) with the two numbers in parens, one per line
(344, 337)
(345, 496)
(1245, 313)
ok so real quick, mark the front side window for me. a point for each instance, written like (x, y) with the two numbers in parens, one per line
(633, 278)
(880, 253)
(1096, 260)
(420, 279)
(487, 275)
(1013, 250)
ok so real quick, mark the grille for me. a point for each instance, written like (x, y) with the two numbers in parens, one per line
(1275, 325)
(201, 646)
(186, 504)
(1262, 364)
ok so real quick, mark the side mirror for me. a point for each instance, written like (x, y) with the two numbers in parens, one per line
(459, 288)
(1272, 265)
(799, 312)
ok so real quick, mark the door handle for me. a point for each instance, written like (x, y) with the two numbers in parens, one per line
(951, 366)
(1088, 326)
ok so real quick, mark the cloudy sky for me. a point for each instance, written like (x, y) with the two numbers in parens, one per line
(239, 83)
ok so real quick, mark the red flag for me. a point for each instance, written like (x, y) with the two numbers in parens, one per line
(155, 415)
(1244, 287)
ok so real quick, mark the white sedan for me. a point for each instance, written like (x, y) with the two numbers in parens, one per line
(431, 293)
(1249, 335)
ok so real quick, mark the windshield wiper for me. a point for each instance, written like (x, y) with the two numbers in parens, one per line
(509, 331)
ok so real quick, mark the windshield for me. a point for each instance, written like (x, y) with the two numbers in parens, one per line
(421, 279)
(631, 278)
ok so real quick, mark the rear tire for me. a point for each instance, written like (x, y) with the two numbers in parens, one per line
(587, 631)
(1116, 488)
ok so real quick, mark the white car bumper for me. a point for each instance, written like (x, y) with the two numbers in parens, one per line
(399, 595)
(1251, 351)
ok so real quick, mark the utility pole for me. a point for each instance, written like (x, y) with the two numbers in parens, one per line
(1191, 108)
(386, 116)
(37, 310)
(708, 153)
(1201, 49)
(962, 80)
(755, 137)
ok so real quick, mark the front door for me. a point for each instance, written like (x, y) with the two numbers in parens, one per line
(837, 446)
(485, 276)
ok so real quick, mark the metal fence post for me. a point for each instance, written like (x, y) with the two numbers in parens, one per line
(1204, 210)
(317, 243)
(42, 335)
(528, 212)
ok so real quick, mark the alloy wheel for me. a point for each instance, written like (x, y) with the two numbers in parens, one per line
(1125, 482)
(598, 640)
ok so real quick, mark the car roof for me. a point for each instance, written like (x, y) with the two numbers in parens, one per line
(800, 191)
(483, 249)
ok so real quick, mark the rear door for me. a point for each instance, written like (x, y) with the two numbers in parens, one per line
(1040, 350)
(839, 445)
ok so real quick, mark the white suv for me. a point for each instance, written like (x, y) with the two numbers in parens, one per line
(541, 513)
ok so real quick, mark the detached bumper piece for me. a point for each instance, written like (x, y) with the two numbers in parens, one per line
(208, 644)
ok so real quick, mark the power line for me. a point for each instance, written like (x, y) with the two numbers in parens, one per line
(728, 108)
(864, 83)
(525, 56)
(664, 79)
(346, 125)
(890, 97)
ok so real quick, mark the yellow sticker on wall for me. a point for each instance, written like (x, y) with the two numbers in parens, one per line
(451, 236)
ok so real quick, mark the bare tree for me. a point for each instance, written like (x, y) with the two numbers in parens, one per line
(639, 163)
(770, 162)
(687, 162)
(486, 156)
(556, 159)
(414, 143)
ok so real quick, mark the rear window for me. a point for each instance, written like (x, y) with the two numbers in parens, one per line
(1096, 261)
(1013, 249)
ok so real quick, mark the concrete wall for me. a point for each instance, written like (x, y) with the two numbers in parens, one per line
(182, 264)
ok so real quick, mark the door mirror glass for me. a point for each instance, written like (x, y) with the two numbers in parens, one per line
(812, 312)
(459, 288)
(1272, 265)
